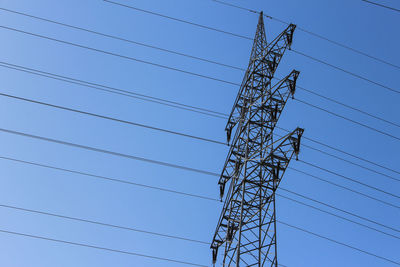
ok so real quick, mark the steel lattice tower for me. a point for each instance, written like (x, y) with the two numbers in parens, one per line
(256, 160)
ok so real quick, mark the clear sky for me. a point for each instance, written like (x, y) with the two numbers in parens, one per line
(368, 28)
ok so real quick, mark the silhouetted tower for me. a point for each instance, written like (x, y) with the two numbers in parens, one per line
(257, 160)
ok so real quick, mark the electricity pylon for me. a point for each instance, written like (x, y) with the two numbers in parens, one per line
(257, 160)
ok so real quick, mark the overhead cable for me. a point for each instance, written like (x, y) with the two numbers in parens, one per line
(380, 5)
(193, 57)
(313, 34)
(101, 248)
(118, 154)
(184, 194)
(170, 131)
(191, 73)
(249, 38)
(170, 103)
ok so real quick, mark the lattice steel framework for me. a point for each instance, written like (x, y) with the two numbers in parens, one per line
(256, 162)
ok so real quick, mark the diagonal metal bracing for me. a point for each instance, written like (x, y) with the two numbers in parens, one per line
(256, 162)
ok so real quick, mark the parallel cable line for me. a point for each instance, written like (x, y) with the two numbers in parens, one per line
(338, 216)
(194, 196)
(188, 72)
(169, 131)
(350, 179)
(120, 227)
(112, 119)
(339, 158)
(193, 57)
(348, 106)
(114, 90)
(101, 248)
(313, 34)
(345, 188)
(380, 5)
(341, 210)
(338, 242)
(122, 39)
(183, 262)
(246, 37)
(102, 224)
(106, 178)
(185, 194)
(346, 71)
(167, 259)
(119, 55)
(345, 152)
(104, 151)
(236, 6)
(350, 162)
(348, 119)
(171, 104)
(202, 265)
(161, 163)
(200, 138)
(181, 20)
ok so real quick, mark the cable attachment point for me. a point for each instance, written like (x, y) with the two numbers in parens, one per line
(296, 142)
(289, 35)
(221, 191)
(214, 255)
(292, 82)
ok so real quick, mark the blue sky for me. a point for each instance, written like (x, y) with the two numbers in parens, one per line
(370, 29)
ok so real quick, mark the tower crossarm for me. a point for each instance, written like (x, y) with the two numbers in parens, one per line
(270, 105)
(262, 66)
(243, 204)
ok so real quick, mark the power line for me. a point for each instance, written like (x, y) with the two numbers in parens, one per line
(120, 56)
(346, 71)
(101, 248)
(122, 39)
(246, 37)
(173, 104)
(106, 178)
(182, 134)
(185, 194)
(167, 259)
(113, 90)
(165, 130)
(113, 119)
(181, 20)
(143, 125)
(184, 71)
(341, 210)
(350, 162)
(338, 242)
(345, 188)
(94, 149)
(350, 179)
(114, 226)
(190, 56)
(314, 34)
(202, 265)
(177, 261)
(348, 119)
(380, 5)
(346, 153)
(103, 224)
(238, 7)
(348, 106)
(161, 163)
(338, 216)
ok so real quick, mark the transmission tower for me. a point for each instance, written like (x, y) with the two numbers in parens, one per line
(257, 160)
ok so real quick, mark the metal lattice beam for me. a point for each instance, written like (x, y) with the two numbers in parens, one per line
(256, 161)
